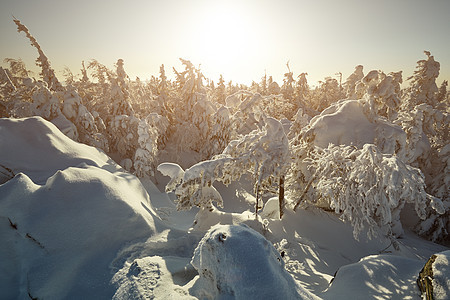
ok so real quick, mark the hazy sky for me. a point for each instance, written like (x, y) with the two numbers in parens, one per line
(239, 39)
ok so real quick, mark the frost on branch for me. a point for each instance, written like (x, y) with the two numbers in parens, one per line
(368, 188)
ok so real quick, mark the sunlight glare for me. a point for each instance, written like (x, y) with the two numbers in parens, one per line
(226, 37)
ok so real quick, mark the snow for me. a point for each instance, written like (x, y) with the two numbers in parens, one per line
(377, 277)
(37, 148)
(345, 123)
(74, 224)
(441, 275)
(236, 262)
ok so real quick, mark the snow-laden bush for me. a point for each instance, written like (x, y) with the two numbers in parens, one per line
(264, 154)
(348, 122)
(423, 86)
(86, 124)
(328, 92)
(45, 103)
(227, 268)
(145, 155)
(193, 187)
(366, 187)
(381, 92)
(124, 135)
(352, 81)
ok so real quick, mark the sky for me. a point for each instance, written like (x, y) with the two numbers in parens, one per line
(242, 40)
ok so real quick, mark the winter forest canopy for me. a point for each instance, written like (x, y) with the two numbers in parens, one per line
(361, 148)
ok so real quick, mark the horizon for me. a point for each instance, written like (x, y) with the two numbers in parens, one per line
(240, 40)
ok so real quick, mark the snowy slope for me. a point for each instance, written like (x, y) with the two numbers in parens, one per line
(60, 230)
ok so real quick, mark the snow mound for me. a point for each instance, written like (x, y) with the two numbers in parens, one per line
(377, 277)
(153, 277)
(237, 262)
(38, 148)
(59, 239)
(345, 123)
(66, 211)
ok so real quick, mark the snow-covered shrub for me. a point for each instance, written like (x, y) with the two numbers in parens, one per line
(123, 132)
(221, 129)
(352, 81)
(422, 124)
(381, 92)
(423, 86)
(368, 188)
(149, 131)
(85, 122)
(347, 122)
(227, 268)
(194, 187)
(45, 103)
(262, 154)
(301, 120)
(325, 94)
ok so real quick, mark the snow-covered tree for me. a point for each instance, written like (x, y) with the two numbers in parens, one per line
(351, 82)
(45, 103)
(264, 154)
(423, 86)
(325, 94)
(287, 89)
(145, 155)
(47, 73)
(366, 187)
(85, 122)
(382, 92)
(220, 91)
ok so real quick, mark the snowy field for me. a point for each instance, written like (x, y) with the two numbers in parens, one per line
(74, 224)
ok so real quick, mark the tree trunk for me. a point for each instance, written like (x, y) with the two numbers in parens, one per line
(256, 205)
(281, 195)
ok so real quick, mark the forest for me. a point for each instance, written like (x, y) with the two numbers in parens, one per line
(141, 124)
(369, 149)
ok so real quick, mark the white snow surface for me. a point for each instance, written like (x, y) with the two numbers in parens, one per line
(441, 275)
(236, 262)
(74, 225)
(38, 148)
(60, 236)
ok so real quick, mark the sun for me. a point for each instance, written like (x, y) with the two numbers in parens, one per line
(226, 35)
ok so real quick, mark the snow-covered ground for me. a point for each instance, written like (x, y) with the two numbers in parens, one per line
(75, 225)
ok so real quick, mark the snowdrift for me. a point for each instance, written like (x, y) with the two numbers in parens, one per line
(65, 214)
(38, 148)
